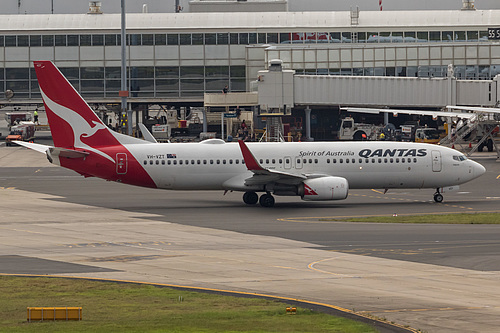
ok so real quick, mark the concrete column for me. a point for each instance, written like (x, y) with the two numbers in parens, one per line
(308, 124)
(205, 120)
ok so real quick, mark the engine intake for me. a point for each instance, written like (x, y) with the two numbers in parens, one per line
(324, 188)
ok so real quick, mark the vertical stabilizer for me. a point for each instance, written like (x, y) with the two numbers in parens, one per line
(72, 122)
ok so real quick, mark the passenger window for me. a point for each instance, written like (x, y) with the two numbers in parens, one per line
(373, 160)
(204, 161)
(192, 162)
(180, 162)
(237, 161)
(218, 161)
(267, 161)
(175, 162)
(230, 161)
(280, 161)
(298, 161)
(402, 160)
(341, 161)
(353, 160)
(145, 162)
(223, 161)
(304, 161)
(261, 161)
(273, 161)
(415, 160)
(397, 160)
(367, 161)
(242, 161)
(316, 161)
(211, 161)
(310, 160)
(169, 162)
(334, 160)
(157, 162)
(151, 162)
(347, 160)
(385, 160)
(328, 160)
(360, 160)
(380, 160)
(187, 162)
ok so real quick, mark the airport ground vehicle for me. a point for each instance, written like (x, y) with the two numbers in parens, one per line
(24, 131)
(414, 133)
(349, 130)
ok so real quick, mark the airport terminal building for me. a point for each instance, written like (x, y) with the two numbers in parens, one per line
(175, 58)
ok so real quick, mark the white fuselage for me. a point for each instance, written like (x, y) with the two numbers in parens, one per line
(365, 165)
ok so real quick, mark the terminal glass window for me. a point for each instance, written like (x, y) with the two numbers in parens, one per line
(346, 37)
(22, 40)
(184, 40)
(210, 39)
(272, 38)
(447, 36)
(472, 36)
(134, 39)
(309, 37)
(222, 38)
(147, 39)
(217, 71)
(192, 72)
(244, 39)
(238, 71)
(85, 40)
(434, 36)
(110, 40)
(72, 40)
(397, 37)
(335, 37)
(197, 39)
(361, 37)
(460, 36)
(233, 38)
(385, 37)
(167, 84)
(422, 36)
(173, 39)
(261, 38)
(92, 73)
(1, 44)
(97, 40)
(167, 72)
(10, 41)
(372, 37)
(113, 73)
(252, 38)
(160, 39)
(410, 36)
(285, 38)
(35, 40)
(483, 36)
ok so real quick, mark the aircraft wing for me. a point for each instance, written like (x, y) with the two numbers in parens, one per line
(474, 108)
(263, 175)
(415, 112)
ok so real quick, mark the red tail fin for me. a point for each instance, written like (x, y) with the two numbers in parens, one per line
(72, 121)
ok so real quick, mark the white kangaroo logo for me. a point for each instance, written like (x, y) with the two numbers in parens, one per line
(80, 126)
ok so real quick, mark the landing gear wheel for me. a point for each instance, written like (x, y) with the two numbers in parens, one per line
(490, 145)
(358, 136)
(266, 200)
(438, 197)
(250, 198)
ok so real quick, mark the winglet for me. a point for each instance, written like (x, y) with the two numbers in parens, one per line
(250, 160)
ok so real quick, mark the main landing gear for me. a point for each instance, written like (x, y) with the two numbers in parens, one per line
(251, 198)
(438, 197)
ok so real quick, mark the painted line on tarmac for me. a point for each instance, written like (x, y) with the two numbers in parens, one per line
(438, 309)
(363, 315)
(310, 219)
(311, 266)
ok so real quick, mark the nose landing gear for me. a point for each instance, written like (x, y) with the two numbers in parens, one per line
(438, 197)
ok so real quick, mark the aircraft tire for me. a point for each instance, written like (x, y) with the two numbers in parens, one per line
(358, 136)
(266, 200)
(250, 198)
(438, 197)
(490, 145)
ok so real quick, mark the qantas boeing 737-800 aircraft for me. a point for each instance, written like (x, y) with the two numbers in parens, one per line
(310, 170)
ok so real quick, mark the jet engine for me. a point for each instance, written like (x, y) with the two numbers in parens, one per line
(324, 188)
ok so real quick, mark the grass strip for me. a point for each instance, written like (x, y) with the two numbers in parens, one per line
(121, 307)
(459, 218)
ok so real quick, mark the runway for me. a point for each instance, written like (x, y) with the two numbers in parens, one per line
(431, 277)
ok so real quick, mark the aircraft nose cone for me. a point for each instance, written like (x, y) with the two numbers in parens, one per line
(478, 169)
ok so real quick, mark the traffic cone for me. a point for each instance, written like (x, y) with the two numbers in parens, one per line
(453, 146)
(470, 144)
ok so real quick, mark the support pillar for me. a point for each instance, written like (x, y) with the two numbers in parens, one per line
(308, 123)
(205, 119)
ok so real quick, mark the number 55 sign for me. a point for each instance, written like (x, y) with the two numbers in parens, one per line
(493, 33)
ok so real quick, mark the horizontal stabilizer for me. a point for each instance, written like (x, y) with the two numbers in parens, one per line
(35, 146)
(146, 134)
(68, 153)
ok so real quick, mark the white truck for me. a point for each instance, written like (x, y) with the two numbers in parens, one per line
(349, 130)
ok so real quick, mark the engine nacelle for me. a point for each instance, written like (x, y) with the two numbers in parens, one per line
(324, 188)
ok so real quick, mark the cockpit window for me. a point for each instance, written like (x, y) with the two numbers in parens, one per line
(459, 157)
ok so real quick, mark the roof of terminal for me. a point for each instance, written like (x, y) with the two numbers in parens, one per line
(249, 20)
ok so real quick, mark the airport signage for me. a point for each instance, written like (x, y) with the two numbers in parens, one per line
(230, 115)
(494, 33)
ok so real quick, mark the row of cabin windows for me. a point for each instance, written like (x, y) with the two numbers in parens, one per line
(366, 160)
(193, 162)
(280, 161)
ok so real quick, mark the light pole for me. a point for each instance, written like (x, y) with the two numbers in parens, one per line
(124, 92)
